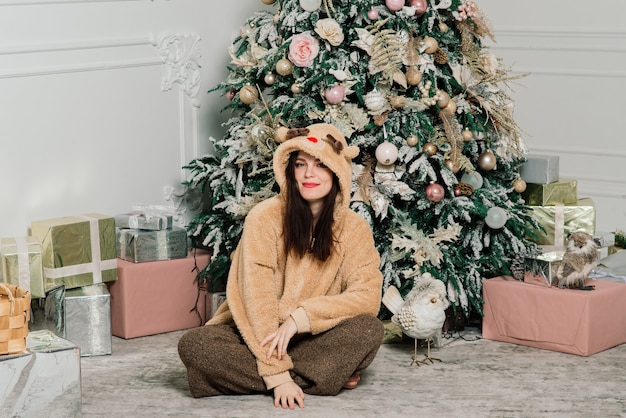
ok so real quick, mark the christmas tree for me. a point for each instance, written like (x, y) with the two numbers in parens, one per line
(412, 84)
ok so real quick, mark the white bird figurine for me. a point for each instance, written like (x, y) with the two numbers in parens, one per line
(422, 314)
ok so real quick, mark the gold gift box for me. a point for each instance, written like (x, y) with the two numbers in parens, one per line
(21, 264)
(559, 220)
(561, 191)
(77, 250)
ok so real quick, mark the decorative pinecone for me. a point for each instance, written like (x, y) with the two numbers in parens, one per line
(517, 268)
(465, 189)
(440, 57)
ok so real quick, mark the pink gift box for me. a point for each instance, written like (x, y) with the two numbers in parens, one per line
(568, 320)
(156, 296)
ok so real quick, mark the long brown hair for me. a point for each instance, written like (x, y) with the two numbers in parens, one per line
(300, 237)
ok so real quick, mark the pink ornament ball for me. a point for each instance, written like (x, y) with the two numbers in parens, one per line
(230, 94)
(420, 6)
(394, 5)
(372, 14)
(335, 94)
(435, 192)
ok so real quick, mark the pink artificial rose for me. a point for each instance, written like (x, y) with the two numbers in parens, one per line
(303, 49)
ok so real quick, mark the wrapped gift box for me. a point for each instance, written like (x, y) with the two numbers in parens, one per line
(77, 250)
(140, 246)
(88, 319)
(561, 191)
(44, 381)
(157, 296)
(150, 222)
(559, 220)
(540, 169)
(21, 264)
(613, 249)
(213, 301)
(567, 320)
(541, 269)
(48, 313)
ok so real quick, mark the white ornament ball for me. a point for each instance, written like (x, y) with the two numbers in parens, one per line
(474, 179)
(496, 218)
(310, 5)
(386, 153)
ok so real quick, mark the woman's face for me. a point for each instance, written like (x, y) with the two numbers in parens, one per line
(314, 179)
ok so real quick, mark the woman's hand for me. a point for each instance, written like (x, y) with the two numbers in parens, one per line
(288, 395)
(279, 339)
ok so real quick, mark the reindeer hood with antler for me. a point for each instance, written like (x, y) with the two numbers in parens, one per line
(326, 143)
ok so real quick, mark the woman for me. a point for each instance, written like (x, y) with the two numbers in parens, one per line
(304, 286)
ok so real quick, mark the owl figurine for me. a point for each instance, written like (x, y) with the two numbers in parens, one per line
(581, 256)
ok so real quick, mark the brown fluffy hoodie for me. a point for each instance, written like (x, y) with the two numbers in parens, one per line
(266, 285)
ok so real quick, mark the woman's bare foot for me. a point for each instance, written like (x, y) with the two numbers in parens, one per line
(352, 381)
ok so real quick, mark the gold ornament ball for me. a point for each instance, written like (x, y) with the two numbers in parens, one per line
(450, 108)
(444, 99)
(519, 185)
(248, 94)
(443, 27)
(269, 79)
(296, 88)
(430, 148)
(453, 166)
(413, 76)
(412, 140)
(467, 135)
(268, 2)
(284, 67)
(430, 44)
(487, 161)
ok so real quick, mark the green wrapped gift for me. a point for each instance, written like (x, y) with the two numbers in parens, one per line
(22, 264)
(138, 245)
(77, 250)
(559, 220)
(561, 191)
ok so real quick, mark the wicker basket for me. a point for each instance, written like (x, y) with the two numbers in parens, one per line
(14, 317)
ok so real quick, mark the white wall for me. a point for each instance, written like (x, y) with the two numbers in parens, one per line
(93, 118)
(572, 104)
(86, 124)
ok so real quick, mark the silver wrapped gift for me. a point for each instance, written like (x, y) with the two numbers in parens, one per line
(48, 313)
(540, 169)
(44, 381)
(150, 222)
(541, 269)
(139, 246)
(88, 316)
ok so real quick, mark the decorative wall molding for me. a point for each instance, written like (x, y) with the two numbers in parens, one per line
(45, 2)
(579, 151)
(83, 64)
(181, 55)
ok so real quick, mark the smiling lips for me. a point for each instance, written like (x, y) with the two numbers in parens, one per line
(309, 185)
